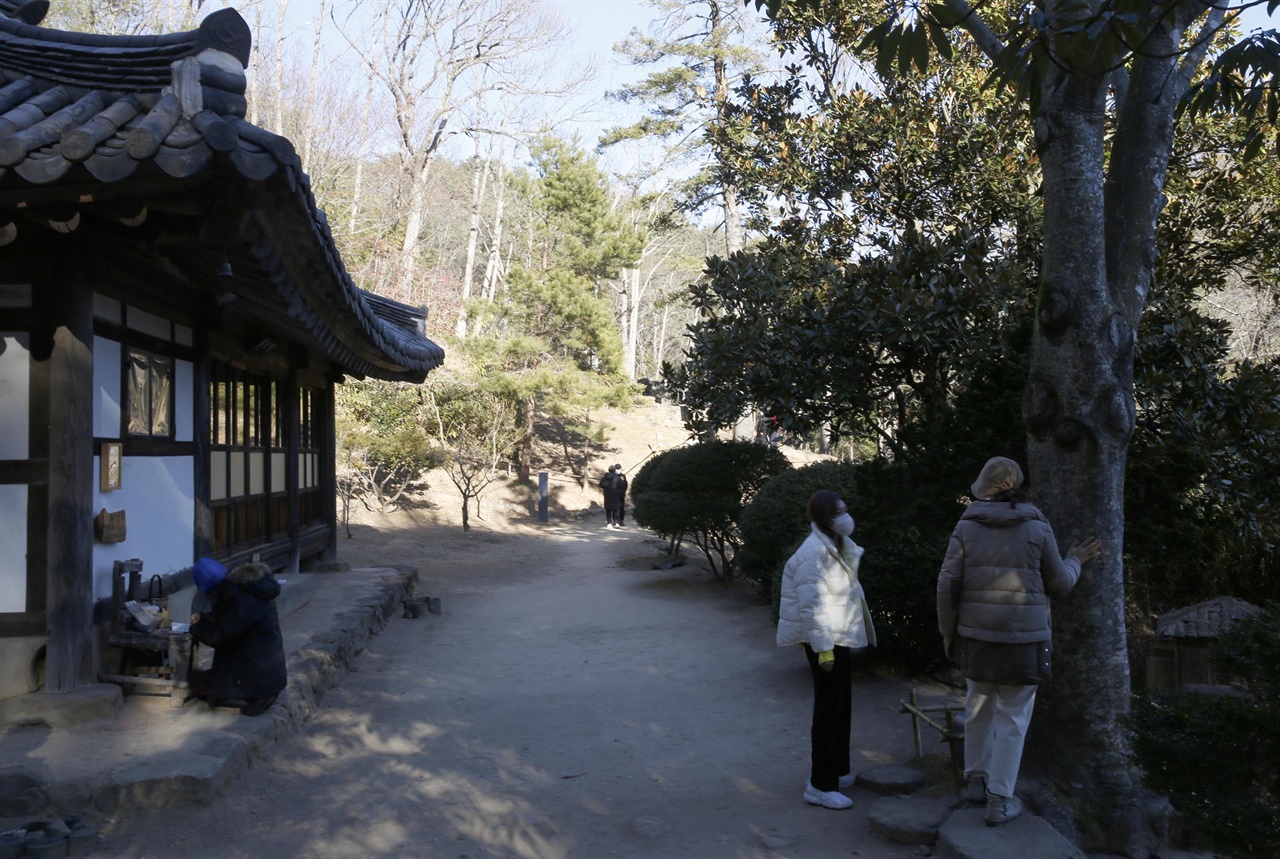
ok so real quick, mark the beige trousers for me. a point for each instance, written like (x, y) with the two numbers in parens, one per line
(996, 721)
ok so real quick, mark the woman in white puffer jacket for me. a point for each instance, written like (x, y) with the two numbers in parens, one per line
(824, 609)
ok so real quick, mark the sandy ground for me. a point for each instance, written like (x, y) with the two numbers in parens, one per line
(570, 703)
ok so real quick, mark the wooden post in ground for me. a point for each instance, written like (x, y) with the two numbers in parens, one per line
(543, 498)
(69, 654)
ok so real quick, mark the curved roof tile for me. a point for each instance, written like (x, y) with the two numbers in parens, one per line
(109, 108)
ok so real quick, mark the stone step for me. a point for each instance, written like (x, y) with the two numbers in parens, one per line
(891, 779)
(909, 819)
(966, 835)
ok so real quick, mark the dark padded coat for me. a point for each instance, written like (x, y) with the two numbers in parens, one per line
(243, 628)
(994, 590)
(615, 490)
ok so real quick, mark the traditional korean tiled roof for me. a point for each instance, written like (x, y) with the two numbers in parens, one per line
(148, 133)
(1208, 619)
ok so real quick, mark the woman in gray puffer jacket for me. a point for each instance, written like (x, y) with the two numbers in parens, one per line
(1001, 568)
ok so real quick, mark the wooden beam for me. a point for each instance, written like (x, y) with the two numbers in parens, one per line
(38, 494)
(290, 417)
(328, 438)
(201, 419)
(27, 624)
(69, 661)
(23, 471)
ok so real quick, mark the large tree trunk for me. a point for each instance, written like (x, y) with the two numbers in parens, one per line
(1079, 413)
(1096, 271)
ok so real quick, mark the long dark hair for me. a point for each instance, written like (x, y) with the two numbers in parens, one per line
(822, 510)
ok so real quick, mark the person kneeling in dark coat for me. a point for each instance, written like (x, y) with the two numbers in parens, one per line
(243, 628)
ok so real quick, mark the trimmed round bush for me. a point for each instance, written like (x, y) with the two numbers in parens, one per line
(698, 492)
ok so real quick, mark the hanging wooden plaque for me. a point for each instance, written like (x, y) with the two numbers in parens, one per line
(109, 527)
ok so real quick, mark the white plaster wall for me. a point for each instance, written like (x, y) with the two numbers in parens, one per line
(15, 660)
(15, 398)
(13, 548)
(15, 395)
(157, 494)
(183, 401)
(149, 323)
(106, 388)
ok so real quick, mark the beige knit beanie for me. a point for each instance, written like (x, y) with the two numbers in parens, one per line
(998, 475)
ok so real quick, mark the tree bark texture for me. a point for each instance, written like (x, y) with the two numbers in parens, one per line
(1098, 259)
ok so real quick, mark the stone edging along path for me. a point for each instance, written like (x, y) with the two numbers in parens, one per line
(152, 758)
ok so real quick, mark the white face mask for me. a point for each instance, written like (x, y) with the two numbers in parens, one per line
(842, 525)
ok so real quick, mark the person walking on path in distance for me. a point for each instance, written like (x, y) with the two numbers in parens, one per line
(823, 608)
(243, 628)
(622, 494)
(1001, 568)
(615, 487)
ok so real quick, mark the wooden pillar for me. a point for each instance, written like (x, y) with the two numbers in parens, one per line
(202, 420)
(69, 655)
(291, 418)
(328, 480)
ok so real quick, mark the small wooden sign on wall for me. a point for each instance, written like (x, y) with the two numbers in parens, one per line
(109, 527)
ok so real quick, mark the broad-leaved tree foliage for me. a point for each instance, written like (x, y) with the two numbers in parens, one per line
(898, 236)
(1101, 84)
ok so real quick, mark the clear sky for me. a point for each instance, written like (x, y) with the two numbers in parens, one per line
(599, 25)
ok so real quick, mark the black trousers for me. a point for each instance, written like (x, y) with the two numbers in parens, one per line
(832, 719)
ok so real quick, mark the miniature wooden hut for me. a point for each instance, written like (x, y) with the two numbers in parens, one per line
(1179, 657)
(174, 316)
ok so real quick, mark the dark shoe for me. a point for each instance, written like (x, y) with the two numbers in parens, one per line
(975, 792)
(1002, 809)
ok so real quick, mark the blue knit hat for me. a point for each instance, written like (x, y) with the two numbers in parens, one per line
(207, 573)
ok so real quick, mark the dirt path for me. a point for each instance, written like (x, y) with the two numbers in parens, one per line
(571, 703)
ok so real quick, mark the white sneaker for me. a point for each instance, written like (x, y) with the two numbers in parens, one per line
(847, 781)
(826, 798)
(1002, 809)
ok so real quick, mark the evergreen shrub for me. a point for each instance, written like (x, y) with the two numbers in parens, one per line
(698, 493)
(1218, 758)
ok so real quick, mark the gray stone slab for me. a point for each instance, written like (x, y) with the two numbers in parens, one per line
(144, 753)
(966, 835)
(63, 710)
(891, 779)
(167, 781)
(295, 592)
(909, 820)
(22, 792)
